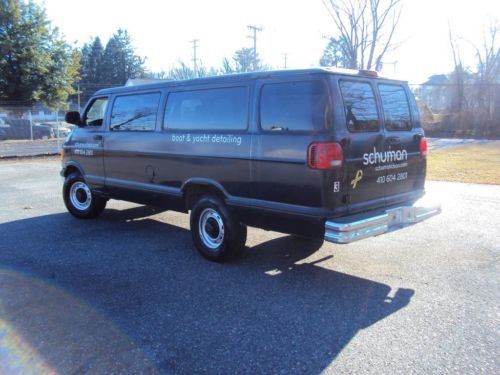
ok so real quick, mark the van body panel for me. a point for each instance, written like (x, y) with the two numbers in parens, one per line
(279, 162)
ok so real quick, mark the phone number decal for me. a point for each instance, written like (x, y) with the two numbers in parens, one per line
(392, 177)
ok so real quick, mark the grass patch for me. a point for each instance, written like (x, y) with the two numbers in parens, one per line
(479, 164)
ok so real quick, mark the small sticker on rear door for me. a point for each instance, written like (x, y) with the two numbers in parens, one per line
(357, 178)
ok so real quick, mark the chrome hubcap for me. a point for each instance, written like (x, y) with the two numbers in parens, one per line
(211, 228)
(80, 196)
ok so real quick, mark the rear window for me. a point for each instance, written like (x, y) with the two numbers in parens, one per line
(213, 109)
(135, 112)
(294, 106)
(359, 106)
(395, 106)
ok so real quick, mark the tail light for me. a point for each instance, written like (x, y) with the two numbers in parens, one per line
(324, 155)
(423, 147)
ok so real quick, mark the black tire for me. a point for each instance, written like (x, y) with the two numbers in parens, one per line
(80, 201)
(216, 234)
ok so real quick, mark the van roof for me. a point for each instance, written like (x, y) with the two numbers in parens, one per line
(242, 76)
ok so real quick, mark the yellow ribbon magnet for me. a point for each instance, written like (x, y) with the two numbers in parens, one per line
(359, 176)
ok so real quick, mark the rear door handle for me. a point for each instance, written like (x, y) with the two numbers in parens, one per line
(98, 137)
(393, 139)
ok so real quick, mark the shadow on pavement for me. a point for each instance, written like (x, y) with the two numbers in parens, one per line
(128, 293)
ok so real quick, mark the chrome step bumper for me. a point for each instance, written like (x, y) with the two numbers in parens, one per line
(350, 229)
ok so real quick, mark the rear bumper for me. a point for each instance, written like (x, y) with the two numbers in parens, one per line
(353, 228)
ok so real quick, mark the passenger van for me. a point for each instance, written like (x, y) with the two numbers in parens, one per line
(332, 154)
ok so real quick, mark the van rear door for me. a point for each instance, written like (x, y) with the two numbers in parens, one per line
(401, 164)
(365, 138)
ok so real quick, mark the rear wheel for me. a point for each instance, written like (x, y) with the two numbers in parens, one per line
(79, 199)
(216, 234)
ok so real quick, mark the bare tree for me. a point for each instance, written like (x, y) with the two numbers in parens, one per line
(488, 56)
(366, 28)
(488, 77)
(475, 95)
(458, 74)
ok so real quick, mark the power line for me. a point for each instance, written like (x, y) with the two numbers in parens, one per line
(254, 29)
(195, 59)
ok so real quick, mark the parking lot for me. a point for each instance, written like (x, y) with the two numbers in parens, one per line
(127, 293)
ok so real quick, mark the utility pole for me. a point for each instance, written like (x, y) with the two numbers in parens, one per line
(285, 57)
(254, 29)
(79, 93)
(195, 59)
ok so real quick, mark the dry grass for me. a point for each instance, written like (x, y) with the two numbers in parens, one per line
(473, 163)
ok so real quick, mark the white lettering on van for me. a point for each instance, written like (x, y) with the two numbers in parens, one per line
(378, 157)
(86, 145)
(207, 138)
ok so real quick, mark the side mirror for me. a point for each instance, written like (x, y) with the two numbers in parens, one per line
(73, 118)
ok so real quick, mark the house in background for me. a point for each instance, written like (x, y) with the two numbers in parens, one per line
(435, 92)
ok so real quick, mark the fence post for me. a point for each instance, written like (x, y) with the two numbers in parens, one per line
(31, 125)
(57, 125)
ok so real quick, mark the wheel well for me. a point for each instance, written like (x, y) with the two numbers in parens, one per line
(195, 191)
(70, 169)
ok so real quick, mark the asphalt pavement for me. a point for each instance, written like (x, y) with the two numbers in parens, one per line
(128, 293)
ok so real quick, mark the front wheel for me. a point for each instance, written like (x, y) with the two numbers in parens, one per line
(216, 234)
(79, 199)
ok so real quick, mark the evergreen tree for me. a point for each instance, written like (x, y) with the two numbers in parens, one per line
(109, 66)
(91, 62)
(335, 54)
(36, 64)
(243, 61)
(119, 61)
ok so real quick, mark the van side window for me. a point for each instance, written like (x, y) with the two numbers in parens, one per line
(211, 109)
(135, 112)
(94, 116)
(396, 108)
(360, 108)
(294, 106)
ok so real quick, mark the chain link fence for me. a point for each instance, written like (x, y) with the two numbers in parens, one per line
(31, 130)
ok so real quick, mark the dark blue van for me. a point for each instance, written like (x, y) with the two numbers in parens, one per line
(334, 154)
